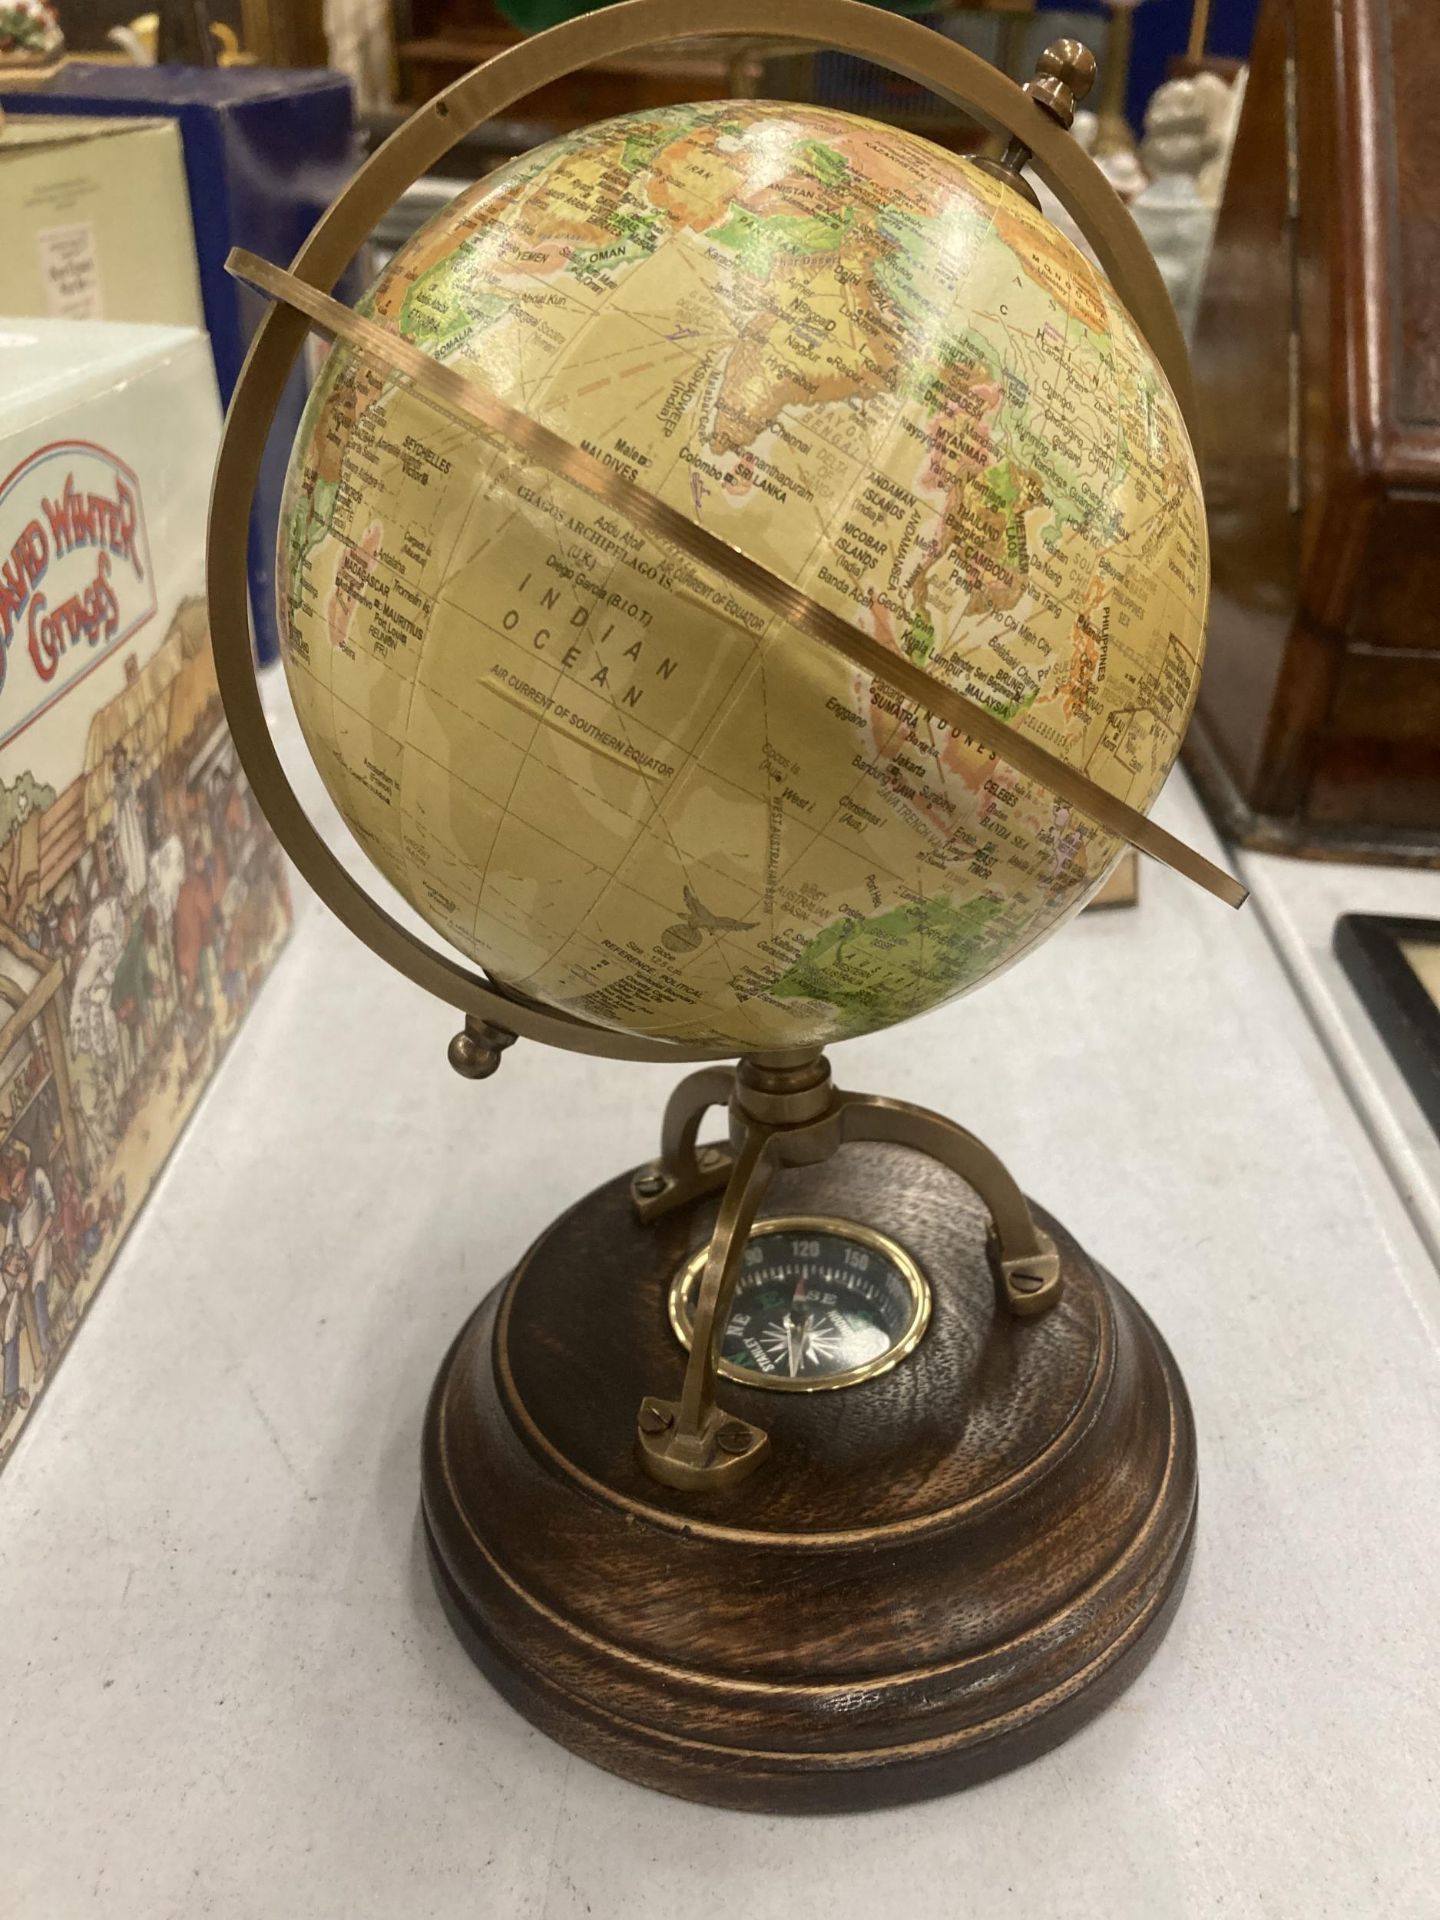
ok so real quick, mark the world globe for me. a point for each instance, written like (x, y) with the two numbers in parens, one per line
(607, 776)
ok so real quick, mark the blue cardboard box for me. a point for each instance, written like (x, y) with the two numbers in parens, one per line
(266, 150)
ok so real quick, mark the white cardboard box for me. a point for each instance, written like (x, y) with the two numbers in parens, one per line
(95, 221)
(141, 895)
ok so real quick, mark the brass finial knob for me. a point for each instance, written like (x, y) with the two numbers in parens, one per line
(475, 1053)
(1064, 74)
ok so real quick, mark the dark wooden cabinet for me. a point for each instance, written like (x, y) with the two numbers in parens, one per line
(443, 39)
(1317, 358)
(439, 40)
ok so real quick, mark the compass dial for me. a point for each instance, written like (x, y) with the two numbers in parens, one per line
(819, 1303)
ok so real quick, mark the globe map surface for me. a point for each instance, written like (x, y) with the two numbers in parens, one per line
(617, 785)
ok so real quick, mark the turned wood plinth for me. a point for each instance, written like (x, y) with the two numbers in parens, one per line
(936, 1575)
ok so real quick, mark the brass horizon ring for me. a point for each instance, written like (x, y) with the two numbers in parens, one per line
(456, 393)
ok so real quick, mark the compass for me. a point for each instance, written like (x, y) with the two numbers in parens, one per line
(818, 1303)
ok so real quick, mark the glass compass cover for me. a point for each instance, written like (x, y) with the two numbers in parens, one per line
(818, 1303)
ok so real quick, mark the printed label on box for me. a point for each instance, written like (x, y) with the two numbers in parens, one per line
(70, 268)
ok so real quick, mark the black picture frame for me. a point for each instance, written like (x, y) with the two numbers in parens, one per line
(1370, 949)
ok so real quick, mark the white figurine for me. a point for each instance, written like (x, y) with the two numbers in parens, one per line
(1189, 128)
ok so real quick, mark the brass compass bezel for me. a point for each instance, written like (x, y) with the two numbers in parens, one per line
(922, 1300)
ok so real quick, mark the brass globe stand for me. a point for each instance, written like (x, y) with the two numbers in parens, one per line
(939, 1572)
(784, 1112)
(811, 1601)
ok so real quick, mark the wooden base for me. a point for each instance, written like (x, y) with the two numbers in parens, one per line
(938, 1574)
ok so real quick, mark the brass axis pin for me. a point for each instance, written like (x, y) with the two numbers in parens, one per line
(1064, 74)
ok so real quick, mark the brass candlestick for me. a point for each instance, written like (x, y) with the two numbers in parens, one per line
(1199, 30)
(1114, 133)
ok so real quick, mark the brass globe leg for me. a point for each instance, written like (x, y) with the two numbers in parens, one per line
(1114, 133)
(784, 1111)
(682, 1172)
(691, 1442)
(1023, 1258)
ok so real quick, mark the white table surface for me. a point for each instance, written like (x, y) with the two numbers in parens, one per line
(1299, 902)
(230, 1691)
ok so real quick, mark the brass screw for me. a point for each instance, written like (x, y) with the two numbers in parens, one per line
(733, 1437)
(655, 1419)
(650, 1183)
(1026, 1282)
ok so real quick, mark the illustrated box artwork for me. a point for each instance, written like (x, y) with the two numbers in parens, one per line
(142, 899)
(265, 149)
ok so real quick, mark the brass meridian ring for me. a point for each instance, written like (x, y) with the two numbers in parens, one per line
(902, 46)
